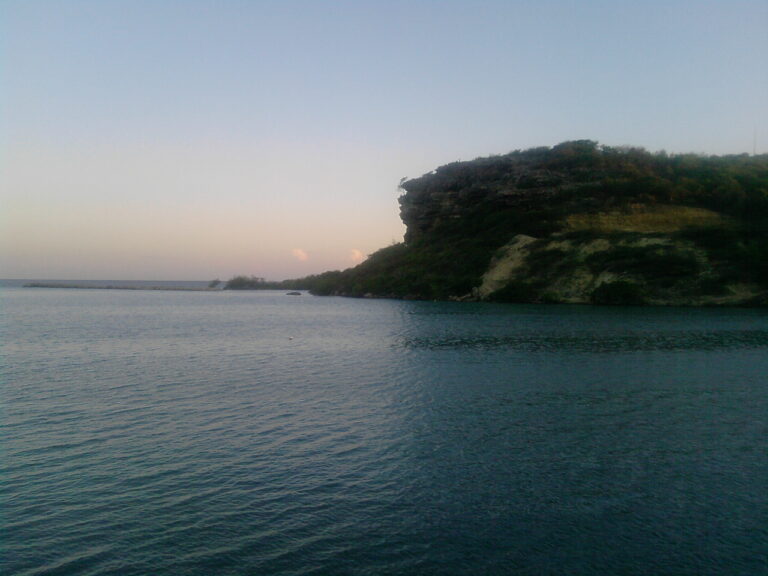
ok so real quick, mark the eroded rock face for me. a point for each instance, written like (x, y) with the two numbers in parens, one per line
(509, 264)
(648, 269)
(578, 223)
(445, 196)
(519, 180)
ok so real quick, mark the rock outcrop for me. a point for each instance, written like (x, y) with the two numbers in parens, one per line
(578, 223)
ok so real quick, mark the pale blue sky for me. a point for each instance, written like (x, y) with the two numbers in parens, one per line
(193, 140)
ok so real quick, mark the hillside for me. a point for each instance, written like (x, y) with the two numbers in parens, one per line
(578, 223)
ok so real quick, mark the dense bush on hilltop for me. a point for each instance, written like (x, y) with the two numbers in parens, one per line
(599, 224)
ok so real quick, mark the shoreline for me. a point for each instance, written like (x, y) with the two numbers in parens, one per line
(118, 287)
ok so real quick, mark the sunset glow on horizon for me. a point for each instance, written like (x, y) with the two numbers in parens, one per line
(200, 140)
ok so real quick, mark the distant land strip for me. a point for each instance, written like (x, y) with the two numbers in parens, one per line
(118, 287)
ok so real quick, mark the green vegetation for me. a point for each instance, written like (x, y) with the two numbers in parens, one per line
(659, 264)
(619, 293)
(258, 283)
(246, 283)
(610, 226)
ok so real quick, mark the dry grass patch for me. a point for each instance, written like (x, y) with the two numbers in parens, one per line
(646, 219)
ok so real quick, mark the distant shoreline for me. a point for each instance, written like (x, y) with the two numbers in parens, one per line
(118, 287)
(76, 286)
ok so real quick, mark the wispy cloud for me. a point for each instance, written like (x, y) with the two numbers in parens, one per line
(300, 254)
(357, 256)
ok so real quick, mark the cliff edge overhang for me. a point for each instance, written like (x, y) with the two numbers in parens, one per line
(578, 223)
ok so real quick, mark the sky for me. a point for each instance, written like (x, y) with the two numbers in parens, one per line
(193, 140)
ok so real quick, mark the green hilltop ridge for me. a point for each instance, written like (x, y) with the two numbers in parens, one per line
(576, 223)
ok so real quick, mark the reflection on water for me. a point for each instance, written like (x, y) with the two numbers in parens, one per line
(599, 343)
(198, 433)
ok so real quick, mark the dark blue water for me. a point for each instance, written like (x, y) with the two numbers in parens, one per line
(176, 433)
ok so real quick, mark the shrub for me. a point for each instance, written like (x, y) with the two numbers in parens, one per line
(517, 291)
(618, 293)
(645, 260)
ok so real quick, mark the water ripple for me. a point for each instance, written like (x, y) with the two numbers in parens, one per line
(184, 434)
(597, 342)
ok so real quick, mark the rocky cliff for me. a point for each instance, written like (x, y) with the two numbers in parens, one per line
(578, 223)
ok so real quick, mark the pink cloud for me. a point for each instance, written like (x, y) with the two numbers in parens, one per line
(357, 256)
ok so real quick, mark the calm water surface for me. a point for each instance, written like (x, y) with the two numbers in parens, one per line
(176, 433)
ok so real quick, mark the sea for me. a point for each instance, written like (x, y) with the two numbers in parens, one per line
(256, 433)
